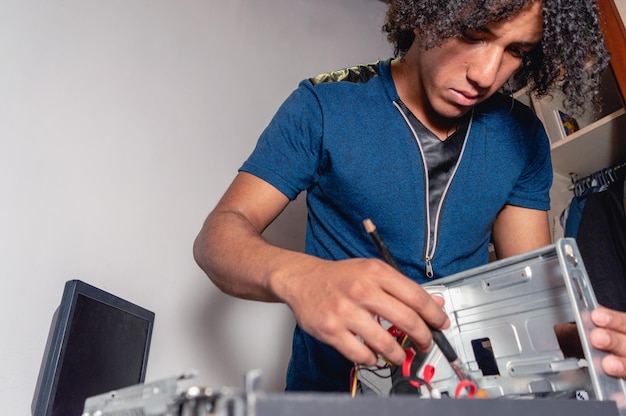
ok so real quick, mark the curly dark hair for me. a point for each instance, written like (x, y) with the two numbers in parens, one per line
(571, 56)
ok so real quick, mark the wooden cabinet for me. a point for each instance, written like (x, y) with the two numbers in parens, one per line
(615, 38)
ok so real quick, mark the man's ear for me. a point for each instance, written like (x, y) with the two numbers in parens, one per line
(418, 36)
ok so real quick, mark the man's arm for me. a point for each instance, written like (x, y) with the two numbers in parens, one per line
(333, 301)
(518, 230)
(230, 240)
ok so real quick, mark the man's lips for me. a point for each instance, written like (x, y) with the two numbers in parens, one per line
(465, 98)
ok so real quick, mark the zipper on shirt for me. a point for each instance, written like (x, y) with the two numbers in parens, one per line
(429, 267)
(431, 232)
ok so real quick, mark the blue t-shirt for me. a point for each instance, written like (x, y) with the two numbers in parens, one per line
(343, 138)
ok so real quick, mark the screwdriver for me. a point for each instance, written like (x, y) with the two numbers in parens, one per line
(459, 368)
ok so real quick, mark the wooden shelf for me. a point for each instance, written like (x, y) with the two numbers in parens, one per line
(596, 146)
(601, 141)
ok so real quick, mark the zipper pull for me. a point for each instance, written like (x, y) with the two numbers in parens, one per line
(429, 268)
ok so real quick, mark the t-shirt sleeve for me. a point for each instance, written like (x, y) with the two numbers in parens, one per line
(533, 187)
(288, 151)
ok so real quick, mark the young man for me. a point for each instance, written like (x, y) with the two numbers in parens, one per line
(426, 147)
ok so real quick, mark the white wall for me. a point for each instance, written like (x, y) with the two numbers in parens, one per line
(121, 124)
(621, 8)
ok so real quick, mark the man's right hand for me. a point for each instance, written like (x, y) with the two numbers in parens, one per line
(337, 301)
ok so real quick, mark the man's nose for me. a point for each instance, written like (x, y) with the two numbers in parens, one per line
(484, 67)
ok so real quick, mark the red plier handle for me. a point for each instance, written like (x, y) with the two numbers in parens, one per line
(429, 370)
(467, 385)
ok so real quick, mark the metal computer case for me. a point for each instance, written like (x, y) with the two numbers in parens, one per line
(507, 310)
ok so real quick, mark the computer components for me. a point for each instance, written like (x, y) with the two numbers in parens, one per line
(504, 322)
(505, 318)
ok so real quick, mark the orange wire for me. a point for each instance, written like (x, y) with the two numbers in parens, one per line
(355, 379)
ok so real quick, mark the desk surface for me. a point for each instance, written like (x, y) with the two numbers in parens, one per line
(316, 404)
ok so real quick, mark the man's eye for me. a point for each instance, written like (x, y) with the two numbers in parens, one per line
(517, 52)
(471, 37)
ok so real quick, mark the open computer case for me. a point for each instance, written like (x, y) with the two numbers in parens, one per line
(503, 317)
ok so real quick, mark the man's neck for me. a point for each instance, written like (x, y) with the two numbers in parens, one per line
(411, 92)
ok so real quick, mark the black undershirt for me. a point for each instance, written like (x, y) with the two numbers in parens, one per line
(440, 156)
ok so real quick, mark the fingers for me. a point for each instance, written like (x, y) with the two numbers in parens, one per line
(339, 309)
(355, 332)
(609, 319)
(614, 366)
(610, 341)
(411, 309)
(411, 323)
(428, 307)
(439, 300)
(610, 336)
(379, 341)
(354, 349)
(361, 338)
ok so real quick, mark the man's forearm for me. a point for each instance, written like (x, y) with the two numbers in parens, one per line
(241, 262)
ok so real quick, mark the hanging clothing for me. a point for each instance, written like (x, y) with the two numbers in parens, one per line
(602, 244)
(575, 210)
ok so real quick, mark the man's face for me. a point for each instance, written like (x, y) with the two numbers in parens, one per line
(467, 70)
